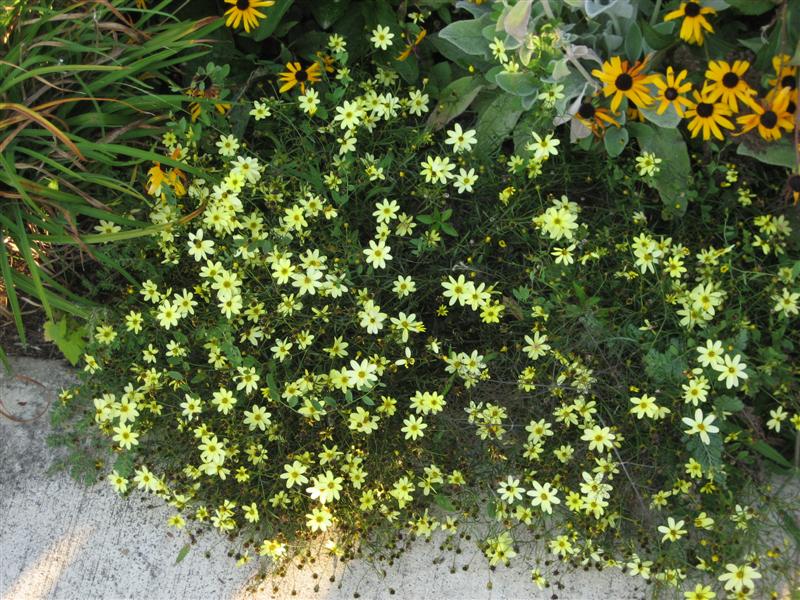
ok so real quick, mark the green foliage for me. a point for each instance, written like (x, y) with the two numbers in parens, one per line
(70, 341)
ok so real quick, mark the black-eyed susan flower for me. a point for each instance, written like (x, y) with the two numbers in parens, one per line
(707, 116)
(791, 107)
(411, 46)
(204, 86)
(245, 12)
(671, 90)
(728, 84)
(595, 118)
(771, 118)
(694, 21)
(624, 81)
(296, 75)
(326, 61)
(785, 74)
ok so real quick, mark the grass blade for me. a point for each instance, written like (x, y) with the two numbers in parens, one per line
(11, 291)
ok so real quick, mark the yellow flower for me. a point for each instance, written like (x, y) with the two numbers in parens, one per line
(155, 179)
(694, 21)
(728, 84)
(785, 74)
(412, 45)
(295, 75)
(708, 116)
(671, 89)
(771, 118)
(596, 119)
(205, 89)
(244, 11)
(623, 81)
(793, 190)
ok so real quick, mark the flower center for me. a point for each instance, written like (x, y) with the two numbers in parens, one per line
(791, 107)
(769, 119)
(623, 82)
(705, 110)
(587, 110)
(730, 80)
(300, 76)
(242, 4)
(789, 81)
(692, 9)
(670, 93)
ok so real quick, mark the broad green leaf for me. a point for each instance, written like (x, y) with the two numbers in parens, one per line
(70, 342)
(467, 35)
(454, 100)
(669, 119)
(674, 175)
(778, 153)
(449, 230)
(615, 140)
(519, 84)
(659, 36)
(497, 121)
(633, 42)
(516, 20)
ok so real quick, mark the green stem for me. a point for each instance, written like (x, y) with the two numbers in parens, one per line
(656, 10)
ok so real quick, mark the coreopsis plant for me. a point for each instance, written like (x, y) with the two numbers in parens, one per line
(345, 297)
(284, 359)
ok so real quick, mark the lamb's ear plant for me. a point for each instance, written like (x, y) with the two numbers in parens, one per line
(83, 87)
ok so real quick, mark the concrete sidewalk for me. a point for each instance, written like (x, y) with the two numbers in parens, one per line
(59, 539)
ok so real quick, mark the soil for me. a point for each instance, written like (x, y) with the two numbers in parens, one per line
(33, 319)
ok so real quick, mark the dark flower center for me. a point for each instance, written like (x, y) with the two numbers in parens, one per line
(704, 109)
(670, 93)
(587, 110)
(623, 82)
(791, 107)
(769, 119)
(301, 76)
(692, 9)
(242, 4)
(789, 81)
(794, 183)
(730, 80)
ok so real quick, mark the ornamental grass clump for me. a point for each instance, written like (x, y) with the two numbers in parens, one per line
(359, 327)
